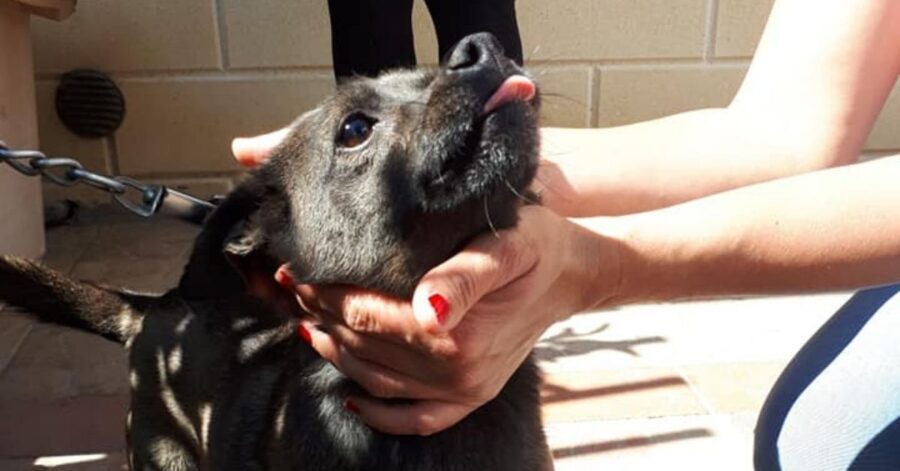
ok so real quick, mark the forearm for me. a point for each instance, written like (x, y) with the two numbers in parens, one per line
(827, 230)
(819, 78)
(649, 165)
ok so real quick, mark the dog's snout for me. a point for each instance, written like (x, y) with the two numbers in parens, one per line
(474, 54)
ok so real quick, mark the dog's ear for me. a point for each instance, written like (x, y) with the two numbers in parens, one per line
(229, 247)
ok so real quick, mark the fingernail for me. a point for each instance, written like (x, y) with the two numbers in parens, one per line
(441, 307)
(304, 334)
(283, 278)
(350, 406)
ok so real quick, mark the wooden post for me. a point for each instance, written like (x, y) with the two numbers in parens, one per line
(21, 208)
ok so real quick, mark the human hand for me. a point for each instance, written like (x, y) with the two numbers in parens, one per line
(472, 321)
(252, 151)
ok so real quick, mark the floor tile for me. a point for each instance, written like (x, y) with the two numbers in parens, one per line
(595, 342)
(143, 265)
(697, 442)
(113, 461)
(734, 330)
(617, 394)
(733, 387)
(57, 362)
(38, 427)
(17, 464)
(14, 327)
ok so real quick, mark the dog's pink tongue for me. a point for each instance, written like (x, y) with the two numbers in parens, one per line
(516, 87)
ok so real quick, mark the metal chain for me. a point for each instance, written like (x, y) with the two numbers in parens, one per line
(140, 198)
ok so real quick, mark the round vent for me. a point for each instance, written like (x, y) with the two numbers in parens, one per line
(89, 103)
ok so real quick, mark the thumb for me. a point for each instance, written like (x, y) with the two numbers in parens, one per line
(447, 292)
(252, 151)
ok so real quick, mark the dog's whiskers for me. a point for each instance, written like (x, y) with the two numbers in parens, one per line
(487, 213)
(518, 194)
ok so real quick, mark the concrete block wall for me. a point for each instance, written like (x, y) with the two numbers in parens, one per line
(196, 73)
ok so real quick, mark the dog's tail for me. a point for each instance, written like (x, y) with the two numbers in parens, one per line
(57, 299)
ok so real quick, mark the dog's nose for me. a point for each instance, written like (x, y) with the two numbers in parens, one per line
(475, 54)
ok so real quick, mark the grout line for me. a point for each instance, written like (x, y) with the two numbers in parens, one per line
(324, 70)
(596, 80)
(712, 20)
(15, 350)
(743, 61)
(221, 34)
(707, 406)
(205, 73)
(188, 175)
(867, 155)
(111, 156)
(589, 98)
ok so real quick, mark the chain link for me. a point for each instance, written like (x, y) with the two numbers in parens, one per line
(140, 198)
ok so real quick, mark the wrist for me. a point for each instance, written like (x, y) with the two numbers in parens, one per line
(628, 264)
(596, 263)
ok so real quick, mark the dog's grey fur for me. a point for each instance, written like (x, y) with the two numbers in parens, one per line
(219, 378)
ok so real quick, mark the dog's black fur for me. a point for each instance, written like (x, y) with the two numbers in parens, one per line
(383, 181)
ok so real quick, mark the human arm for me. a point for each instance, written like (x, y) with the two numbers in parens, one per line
(827, 230)
(832, 229)
(818, 80)
(793, 114)
(816, 84)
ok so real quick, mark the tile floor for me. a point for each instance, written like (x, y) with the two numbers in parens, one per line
(669, 386)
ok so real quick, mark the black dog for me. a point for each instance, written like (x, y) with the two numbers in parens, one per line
(383, 181)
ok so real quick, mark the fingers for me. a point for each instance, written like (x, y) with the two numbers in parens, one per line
(379, 381)
(363, 311)
(252, 151)
(420, 418)
(353, 316)
(449, 290)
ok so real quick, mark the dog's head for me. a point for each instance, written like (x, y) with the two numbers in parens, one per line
(391, 175)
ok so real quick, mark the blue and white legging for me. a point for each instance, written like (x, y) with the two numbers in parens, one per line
(837, 404)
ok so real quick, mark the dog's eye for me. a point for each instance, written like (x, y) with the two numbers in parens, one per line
(355, 130)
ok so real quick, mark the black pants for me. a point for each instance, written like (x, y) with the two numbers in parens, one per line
(369, 36)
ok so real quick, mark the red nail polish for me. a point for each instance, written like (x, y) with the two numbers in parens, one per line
(283, 278)
(350, 406)
(304, 334)
(441, 307)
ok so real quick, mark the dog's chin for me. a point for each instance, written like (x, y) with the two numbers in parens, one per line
(499, 154)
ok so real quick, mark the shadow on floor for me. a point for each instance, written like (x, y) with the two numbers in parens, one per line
(555, 393)
(631, 442)
(569, 343)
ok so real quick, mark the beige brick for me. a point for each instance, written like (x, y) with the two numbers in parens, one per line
(277, 33)
(611, 29)
(565, 96)
(120, 35)
(187, 126)
(886, 134)
(628, 95)
(740, 24)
